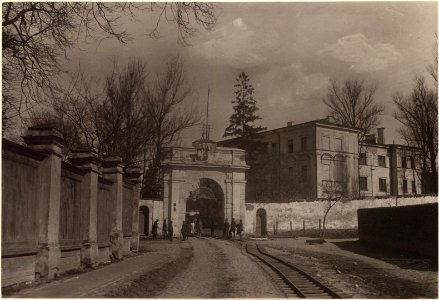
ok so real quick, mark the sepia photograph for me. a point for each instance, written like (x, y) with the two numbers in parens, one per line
(220, 150)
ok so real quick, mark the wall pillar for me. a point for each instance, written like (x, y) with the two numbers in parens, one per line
(228, 199)
(113, 170)
(134, 175)
(87, 160)
(50, 142)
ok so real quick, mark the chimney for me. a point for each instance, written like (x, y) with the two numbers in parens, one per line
(370, 138)
(290, 123)
(380, 133)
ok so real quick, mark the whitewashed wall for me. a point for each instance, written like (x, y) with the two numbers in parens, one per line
(341, 216)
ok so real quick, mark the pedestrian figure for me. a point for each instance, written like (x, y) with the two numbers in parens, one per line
(154, 229)
(212, 228)
(165, 230)
(197, 226)
(170, 230)
(226, 229)
(232, 229)
(192, 227)
(183, 230)
(239, 229)
(188, 230)
(200, 227)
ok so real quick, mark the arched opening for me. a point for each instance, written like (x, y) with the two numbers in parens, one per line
(206, 203)
(261, 222)
(143, 221)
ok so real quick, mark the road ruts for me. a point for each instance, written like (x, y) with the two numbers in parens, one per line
(219, 270)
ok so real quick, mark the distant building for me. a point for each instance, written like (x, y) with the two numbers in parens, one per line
(388, 169)
(310, 160)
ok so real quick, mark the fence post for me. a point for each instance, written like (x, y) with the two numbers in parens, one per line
(87, 160)
(51, 142)
(134, 175)
(320, 227)
(274, 229)
(277, 226)
(113, 170)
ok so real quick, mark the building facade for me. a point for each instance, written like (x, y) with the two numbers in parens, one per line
(318, 158)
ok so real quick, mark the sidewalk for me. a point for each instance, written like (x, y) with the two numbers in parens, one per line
(86, 284)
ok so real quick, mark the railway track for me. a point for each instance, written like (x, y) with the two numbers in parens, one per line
(294, 282)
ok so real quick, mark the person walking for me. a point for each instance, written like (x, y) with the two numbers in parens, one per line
(154, 229)
(232, 229)
(226, 229)
(183, 230)
(197, 226)
(239, 229)
(165, 230)
(200, 227)
(188, 229)
(170, 230)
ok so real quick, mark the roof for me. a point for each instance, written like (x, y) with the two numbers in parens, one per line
(323, 122)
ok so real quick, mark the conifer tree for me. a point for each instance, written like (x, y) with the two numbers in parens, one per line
(241, 121)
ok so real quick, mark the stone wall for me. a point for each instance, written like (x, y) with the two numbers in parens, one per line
(341, 216)
(58, 215)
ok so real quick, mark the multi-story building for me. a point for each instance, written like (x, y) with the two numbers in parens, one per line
(312, 159)
(388, 169)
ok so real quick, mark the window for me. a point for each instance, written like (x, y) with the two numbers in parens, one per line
(404, 186)
(303, 140)
(362, 159)
(273, 147)
(304, 173)
(363, 183)
(337, 145)
(290, 146)
(381, 161)
(412, 162)
(325, 142)
(414, 187)
(404, 161)
(383, 185)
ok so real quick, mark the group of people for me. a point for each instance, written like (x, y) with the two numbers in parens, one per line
(229, 229)
(188, 228)
(167, 232)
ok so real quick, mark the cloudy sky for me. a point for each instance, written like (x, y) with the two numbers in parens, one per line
(290, 51)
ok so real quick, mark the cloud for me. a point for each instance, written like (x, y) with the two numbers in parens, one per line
(356, 50)
(239, 23)
(289, 86)
(237, 48)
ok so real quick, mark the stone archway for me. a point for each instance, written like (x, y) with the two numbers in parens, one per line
(207, 171)
(144, 220)
(261, 222)
(208, 201)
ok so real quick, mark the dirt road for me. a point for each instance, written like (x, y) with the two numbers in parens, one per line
(219, 269)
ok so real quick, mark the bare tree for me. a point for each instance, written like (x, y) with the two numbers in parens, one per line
(36, 34)
(352, 104)
(432, 68)
(334, 193)
(168, 117)
(418, 114)
(131, 117)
